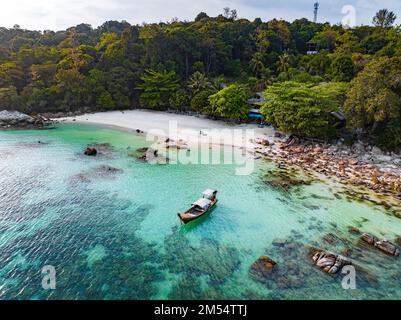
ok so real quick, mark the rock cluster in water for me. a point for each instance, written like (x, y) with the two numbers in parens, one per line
(102, 151)
(101, 172)
(284, 179)
(149, 155)
(15, 119)
(382, 245)
(263, 267)
(289, 273)
(330, 262)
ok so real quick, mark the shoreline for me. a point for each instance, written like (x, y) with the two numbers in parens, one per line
(380, 174)
(189, 130)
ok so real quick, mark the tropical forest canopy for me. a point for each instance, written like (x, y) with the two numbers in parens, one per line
(213, 65)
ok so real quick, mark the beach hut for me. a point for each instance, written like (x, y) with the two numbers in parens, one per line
(313, 48)
(257, 98)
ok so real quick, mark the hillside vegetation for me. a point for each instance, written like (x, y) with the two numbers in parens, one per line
(212, 65)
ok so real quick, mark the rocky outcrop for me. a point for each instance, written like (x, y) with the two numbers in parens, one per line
(344, 164)
(383, 245)
(329, 262)
(15, 120)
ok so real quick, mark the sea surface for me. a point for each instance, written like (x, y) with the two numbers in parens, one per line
(108, 226)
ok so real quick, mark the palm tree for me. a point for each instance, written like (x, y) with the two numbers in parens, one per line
(384, 18)
(257, 64)
(283, 63)
(198, 82)
(218, 83)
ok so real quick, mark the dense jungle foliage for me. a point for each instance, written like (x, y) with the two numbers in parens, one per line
(213, 65)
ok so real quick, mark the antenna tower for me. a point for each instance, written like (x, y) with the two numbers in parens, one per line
(316, 6)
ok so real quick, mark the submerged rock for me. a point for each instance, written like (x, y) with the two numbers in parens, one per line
(279, 242)
(90, 152)
(330, 262)
(353, 230)
(330, 238)
(289, 282)
(383, 245)
(106, 170)
(263, 267)
(99, 172)
(149, 155)
(285, 180)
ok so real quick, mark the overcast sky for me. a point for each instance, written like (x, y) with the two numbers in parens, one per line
(61, 14)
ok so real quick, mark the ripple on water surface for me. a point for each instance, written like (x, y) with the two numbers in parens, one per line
(109, 226)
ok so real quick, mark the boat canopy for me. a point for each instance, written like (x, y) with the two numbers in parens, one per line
(202, 203)
(209, 193)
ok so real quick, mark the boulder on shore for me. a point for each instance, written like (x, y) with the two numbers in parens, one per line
(16, 119)
(383, 245)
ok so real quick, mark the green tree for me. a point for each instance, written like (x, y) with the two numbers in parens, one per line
(9, 98)
(327, 38)
(218, 83)
(72, 86)
(12, 75)
(279, 35)
(119, 82)
(316, 64)
(198, 82)
(283, 63)
(343, 68)
(388, 135)
(157, 88)
(105, 100)
(303, 108)
(179, 100)
(384, 18)
(257, 63)
(231, 102)
(375, 94)
(200, 101)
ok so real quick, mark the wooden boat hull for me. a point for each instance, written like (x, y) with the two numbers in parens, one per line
(187, 218)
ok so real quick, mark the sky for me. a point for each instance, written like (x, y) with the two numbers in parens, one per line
(62, 14)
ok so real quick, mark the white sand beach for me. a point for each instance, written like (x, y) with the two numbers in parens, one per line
(191, 129)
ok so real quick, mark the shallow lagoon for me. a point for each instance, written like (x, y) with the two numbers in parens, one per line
(116, 235)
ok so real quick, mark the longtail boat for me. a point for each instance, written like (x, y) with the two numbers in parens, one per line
(200, 207)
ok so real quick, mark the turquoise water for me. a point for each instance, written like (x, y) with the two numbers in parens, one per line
(115, 234)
